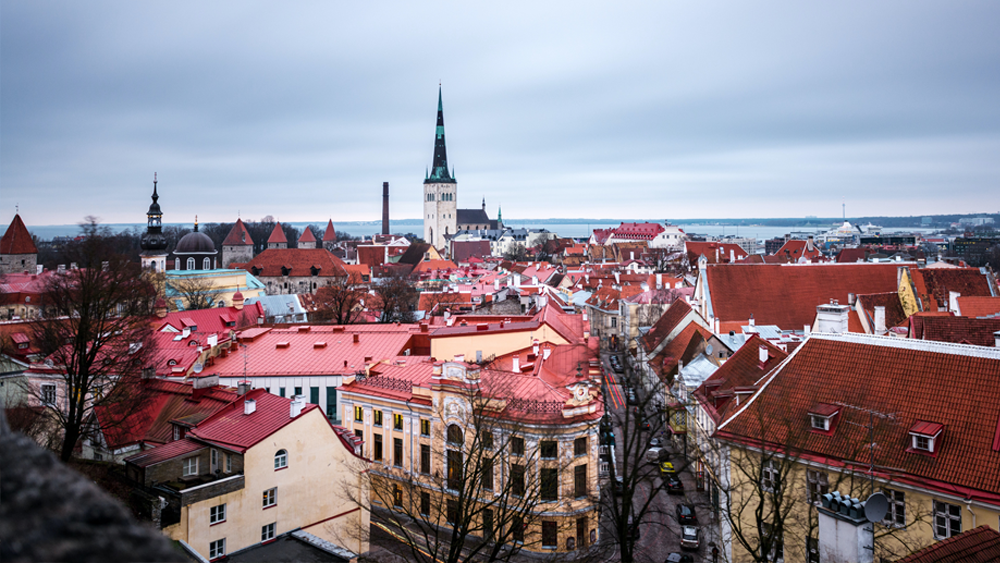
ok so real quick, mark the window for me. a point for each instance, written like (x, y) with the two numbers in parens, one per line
(425, 504)
(581, 532)
(777, 542)
(947, 520)
(517, 479)
(359, 414)
(452, 511)
(770, 477)
(229, 463)
(331, 402)
(455, 435)
(812, 550)
(549, 538)
(397, 496)
(217, 514)
(820, 422)
(517, 528)
(550, 484)
(487, 439)
(455, 463)
(580, 446)
(281, 391)
(580, 480)
(817, 485)
(377, 417)
(397, 452)
(896, 515)
(425, 459)
(549, 449)
(281, 459)
(360, 434)
(267, 532)
(487, 523)
(48, 394)
(922, 443)
(190, 263)
(425, 427)
(215, 459)
(190, 467)
(377, 455)
(206, 264)
(298, 391)
(517, 445)
(314, 395)
(488, 473)
(217, 549)
(270, 497)
(397, 422)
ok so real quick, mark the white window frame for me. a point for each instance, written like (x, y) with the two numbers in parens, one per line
(49, 394)
(186, 468)
(945, 517)
(770, 476)
(267, 532)
(270, 497)
(816, 481)
(229, 463)
(217, 514)
(190, 264)
(897, 508)
(280, 459)
(916, 445)
(823, 422)
(217, 549)
(206, 264)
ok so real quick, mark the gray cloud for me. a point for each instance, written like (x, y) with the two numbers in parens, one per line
(564, 109)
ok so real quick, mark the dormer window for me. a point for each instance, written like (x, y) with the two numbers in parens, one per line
(924, 437)
(822, 416)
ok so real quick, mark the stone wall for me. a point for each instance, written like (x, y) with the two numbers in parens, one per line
(18, 263)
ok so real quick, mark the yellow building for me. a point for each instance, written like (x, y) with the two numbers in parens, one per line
(855, 414)
(212, 288)
(520, 439)
(263, 467)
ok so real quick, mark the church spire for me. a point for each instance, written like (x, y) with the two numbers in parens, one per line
(439, 168)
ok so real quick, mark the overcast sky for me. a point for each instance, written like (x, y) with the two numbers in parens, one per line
(552, 109)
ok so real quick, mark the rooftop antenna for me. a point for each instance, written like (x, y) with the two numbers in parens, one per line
(844, 206)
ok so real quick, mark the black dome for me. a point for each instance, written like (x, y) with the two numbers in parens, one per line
(195, 243)
(153, 241)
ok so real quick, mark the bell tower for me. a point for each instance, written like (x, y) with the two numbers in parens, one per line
(154, 243)
(440, 190)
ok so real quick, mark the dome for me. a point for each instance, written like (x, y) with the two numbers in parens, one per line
(195, 243)
(153, 242)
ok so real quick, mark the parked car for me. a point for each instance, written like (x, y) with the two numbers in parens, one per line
(653, 455)
(618, 367)
(690, 537)
(656, 443)
(679, 558)
(631, 399)
(686, 515)
(672, 483)
(667, 468)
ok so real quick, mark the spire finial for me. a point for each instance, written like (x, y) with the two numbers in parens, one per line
(196, 223)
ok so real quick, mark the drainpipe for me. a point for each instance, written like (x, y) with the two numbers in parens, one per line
(968, 506)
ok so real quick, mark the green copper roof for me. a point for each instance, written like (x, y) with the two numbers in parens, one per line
(439, 171)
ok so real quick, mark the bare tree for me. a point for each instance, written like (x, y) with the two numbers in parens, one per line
(195, 292)
(516, 253)
(98, 339)
(397, 299)
(340, 302)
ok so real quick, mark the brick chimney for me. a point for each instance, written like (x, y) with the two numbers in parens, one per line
(385, 208)
(516, 367)
(880, 320)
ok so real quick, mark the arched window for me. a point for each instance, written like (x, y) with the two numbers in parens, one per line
(177, 263)
(455, 434)
(280, 459)
(206, 264)
(190, 263)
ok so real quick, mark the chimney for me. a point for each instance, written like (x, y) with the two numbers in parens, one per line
(496, 284)
(880, 320)
(534, 347)
(762, 356)
(242, 388)
(832, 317)
(459, 357)
(357, 338)
(249, 406)
(953, 301)
(996, 339)
(845, 534)
(185, 333)
(809, 244)
(806, 329)
(517, 364)
(298, 403)
(547, 351)
(659, 281)
(38, 269)
(851, 299)
(385, 208)
(618, 278)
(238, 301)
(718, 325)
(631, 255)
(732, 255)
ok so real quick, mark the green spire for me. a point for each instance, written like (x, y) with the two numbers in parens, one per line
(439, 168)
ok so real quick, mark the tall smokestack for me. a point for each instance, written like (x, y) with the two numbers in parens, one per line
(385, 208)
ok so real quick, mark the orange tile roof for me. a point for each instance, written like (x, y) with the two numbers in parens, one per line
(742, 369)
(307, 235)
(329, 235)
(947, 328)
(238, 235)
(978, 545)
(979, 306)
(969, 282)
(795, 249)
(714, 252)
(17, 239)
(277, 235)
(299, 260)
(949, 384)
(787, 295)
(894, 314)
(666, 324)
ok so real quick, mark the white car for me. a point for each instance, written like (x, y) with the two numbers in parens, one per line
(690, 537)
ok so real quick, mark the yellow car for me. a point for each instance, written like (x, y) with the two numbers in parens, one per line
(667, 467)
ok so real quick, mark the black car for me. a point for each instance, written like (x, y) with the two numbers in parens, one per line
(632, 399)
(672, 483)
(679, 558)
(685, 514)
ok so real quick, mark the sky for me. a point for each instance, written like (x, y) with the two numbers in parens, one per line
(658, 110)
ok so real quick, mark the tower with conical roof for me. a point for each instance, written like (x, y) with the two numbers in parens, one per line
(18, 253)
(440, 190)
(238, 246)
(153, 242)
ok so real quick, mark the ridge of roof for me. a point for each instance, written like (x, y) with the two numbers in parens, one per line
(985, 352)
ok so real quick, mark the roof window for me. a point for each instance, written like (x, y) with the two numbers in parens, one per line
(924, 437)
(821, 417)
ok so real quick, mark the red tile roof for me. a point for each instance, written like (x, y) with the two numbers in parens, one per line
(299, 261)
(950, 384)
(979, 306)
(969, 282)
(307, 235)
(894, 315)
(714, 252)
(850, 255)
(787, 295)
(277, 235)
(672, 317)
(238, 236)
(954, 329)
(795, 249)
(329, 235)
(230, 427)
(682, 348)
(978, 545)
(165, 452)
(17, 239)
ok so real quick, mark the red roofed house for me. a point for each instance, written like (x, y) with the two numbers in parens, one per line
(17, 251)
(259, 468)
(715, 252)
(238, 245)
(277, 240)
(797, 250)
(805, 428)
(978, 545)
(295, 270)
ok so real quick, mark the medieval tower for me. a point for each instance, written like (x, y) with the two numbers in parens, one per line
(440, 191)
(154, 243)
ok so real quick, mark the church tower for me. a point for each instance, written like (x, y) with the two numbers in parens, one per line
(440, 191)
(153, 243)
